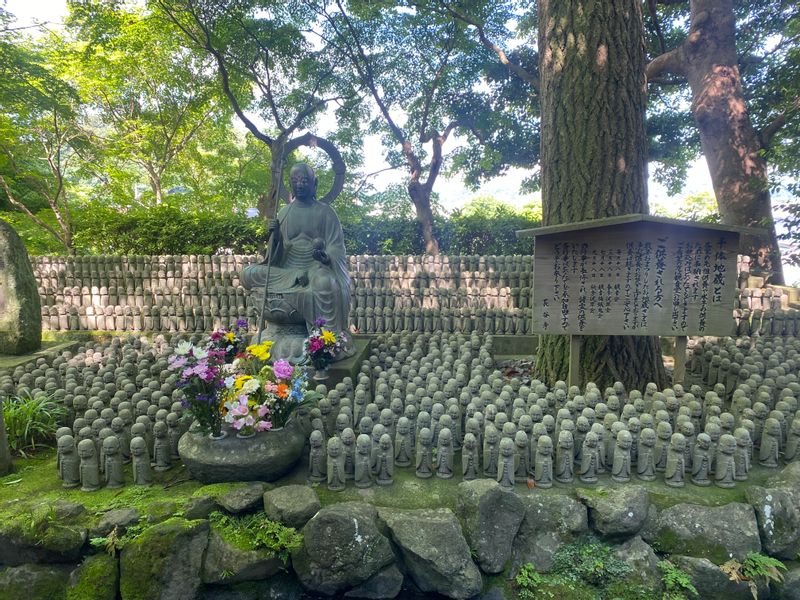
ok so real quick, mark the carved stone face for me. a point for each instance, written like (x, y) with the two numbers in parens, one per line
(303, 182)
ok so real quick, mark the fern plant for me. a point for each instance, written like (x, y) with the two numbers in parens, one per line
(677, 583)
(527, 580)
(756, 568)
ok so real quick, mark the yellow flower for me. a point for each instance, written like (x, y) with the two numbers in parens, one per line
(240, 381)
(328, 337)
(260, 351)
(230, 336)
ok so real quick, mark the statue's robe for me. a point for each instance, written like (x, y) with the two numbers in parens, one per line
(290, 271)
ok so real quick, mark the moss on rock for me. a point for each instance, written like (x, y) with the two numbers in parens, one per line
(96, 579)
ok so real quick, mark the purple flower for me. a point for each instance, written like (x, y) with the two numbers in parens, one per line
(241, 323)
(282, 369)
(320, 322)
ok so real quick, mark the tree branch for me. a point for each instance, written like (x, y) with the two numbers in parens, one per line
(673, 62)
(767, 133)
(13, 201)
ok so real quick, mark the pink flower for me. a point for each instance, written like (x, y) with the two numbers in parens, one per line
(262, 411)
(315, 344)
(270, 387)
(282, 369)
(237, 424)
(263, 426)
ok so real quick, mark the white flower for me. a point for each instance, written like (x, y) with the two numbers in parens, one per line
(229, 381)
(183, 348)
(250, 386)
(228, 368)
(199, 353)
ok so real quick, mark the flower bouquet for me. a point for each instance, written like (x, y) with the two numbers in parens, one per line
(258, 396)
(322, 345)
(200, 377)
(231, 340)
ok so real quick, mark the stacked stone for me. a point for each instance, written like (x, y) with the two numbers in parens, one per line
(419, 399)
(122, 406)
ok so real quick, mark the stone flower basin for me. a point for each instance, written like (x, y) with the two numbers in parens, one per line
(265, 457)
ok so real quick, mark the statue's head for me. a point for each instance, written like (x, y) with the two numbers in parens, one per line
(303, 182)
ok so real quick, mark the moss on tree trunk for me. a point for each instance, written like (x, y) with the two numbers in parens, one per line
(593, 156)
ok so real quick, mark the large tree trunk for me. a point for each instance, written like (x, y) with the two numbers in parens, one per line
(729, 140)
(593, 156)
(421, 197)
(730, 143)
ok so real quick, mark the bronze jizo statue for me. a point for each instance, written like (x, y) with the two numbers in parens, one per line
(304, 273)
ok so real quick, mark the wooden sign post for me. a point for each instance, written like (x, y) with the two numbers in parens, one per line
(634, 275)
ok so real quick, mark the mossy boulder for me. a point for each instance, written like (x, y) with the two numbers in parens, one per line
(97, 578)
(34, 582)
(716, 533)
(643, 563)
(490, 518)
(36, 534)
(235, 498)
(292, 505)
(20, 307)
(712, 583)
(778, 516)
(165, 561)
(225, 563)
(434, 551)
(282, 586)
(616, 512)
(550, 521)
(342, 548)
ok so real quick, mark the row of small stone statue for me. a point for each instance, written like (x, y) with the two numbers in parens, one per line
(768, 322)
(761, 364)
(762, 299)
(94, 450)
(519, 451)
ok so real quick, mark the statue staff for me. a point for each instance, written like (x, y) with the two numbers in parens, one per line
(268, 255)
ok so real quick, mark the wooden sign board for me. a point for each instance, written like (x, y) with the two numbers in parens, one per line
(646, 276)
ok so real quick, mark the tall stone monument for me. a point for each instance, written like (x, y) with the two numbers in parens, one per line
(20, 308)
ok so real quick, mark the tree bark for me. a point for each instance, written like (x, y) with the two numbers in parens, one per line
(730, 143)
(421, 197)
(593, 156)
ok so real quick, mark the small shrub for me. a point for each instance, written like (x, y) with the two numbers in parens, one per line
(590, 561)
(527, 580)
(755, 569)
(677, 583)
(31, 420)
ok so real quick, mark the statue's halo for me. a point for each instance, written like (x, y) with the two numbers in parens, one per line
(339, 168)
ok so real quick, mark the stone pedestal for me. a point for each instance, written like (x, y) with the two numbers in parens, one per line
(287, 340)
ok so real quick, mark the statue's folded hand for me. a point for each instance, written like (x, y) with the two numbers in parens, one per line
(322, 256)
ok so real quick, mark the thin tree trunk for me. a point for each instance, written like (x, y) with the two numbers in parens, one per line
(593, 156)
(421, 197)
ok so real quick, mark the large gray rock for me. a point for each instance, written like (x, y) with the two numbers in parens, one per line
(97, 578)
(790, 588)
(34, 582)
(778, 515)
(266, 457)
(643, 563)
(225, 563)
(292, 505)
(282, 586)
(550, 522)
(20, 308)
(33, 536)
(342, 548)
(616, 512)
(242, 499)
(164, 562)
(490, 518)
(716, 533)
(384, 584)
(711, 583)
(434, 551)
(121, 518)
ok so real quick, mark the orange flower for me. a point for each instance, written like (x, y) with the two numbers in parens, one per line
(283, 390)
